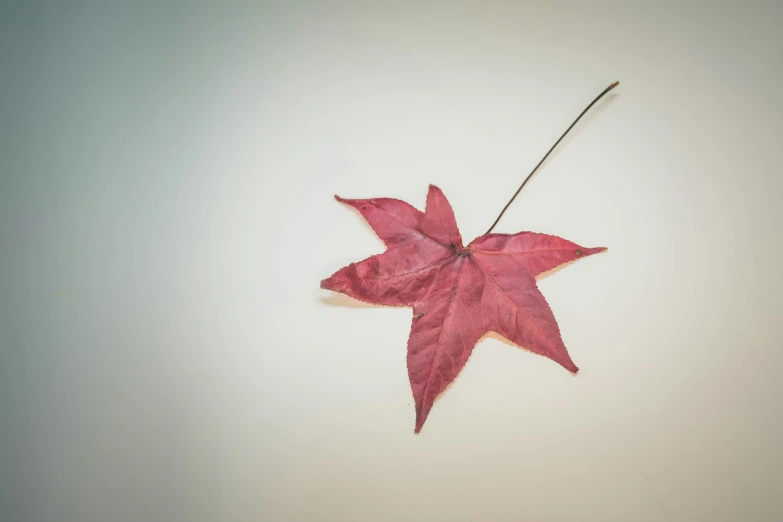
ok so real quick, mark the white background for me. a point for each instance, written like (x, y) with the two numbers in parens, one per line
(166, 215)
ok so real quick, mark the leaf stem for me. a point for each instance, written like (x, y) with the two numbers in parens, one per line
(612, 86)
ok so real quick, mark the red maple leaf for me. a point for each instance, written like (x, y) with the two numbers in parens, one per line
(458, 293)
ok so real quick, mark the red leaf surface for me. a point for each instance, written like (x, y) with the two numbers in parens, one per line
(458, 293)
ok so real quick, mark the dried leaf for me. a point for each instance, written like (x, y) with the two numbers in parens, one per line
(457, 293)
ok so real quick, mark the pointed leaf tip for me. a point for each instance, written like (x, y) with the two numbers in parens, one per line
(584, 252)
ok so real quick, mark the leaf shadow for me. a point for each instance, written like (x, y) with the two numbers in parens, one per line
(498, 337)
(344, 301)
(558, 268)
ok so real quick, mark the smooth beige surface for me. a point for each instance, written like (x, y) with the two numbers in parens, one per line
(167, 215)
